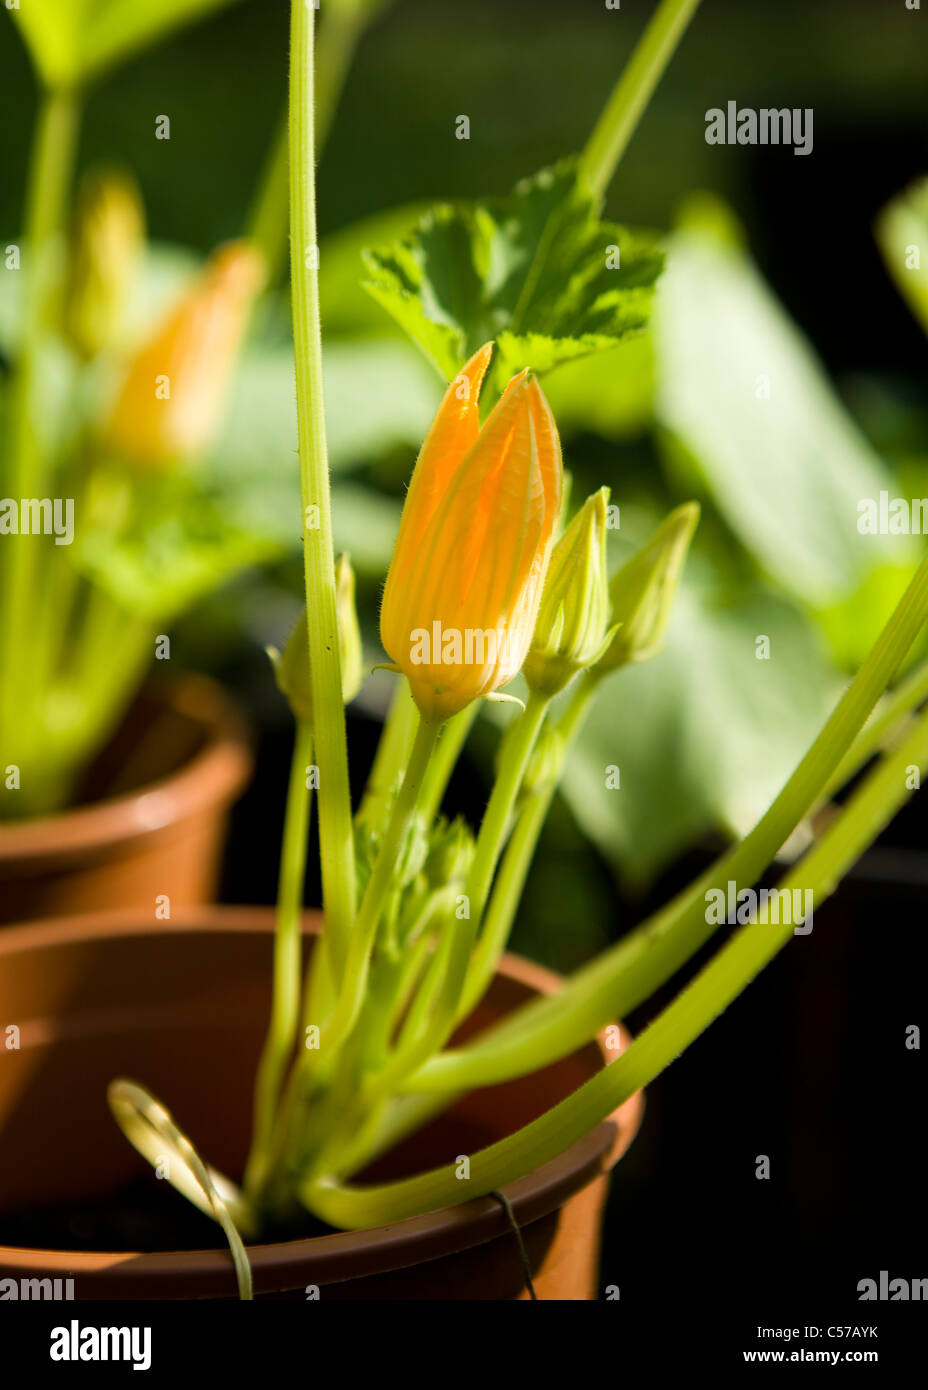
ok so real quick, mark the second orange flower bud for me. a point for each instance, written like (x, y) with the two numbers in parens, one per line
(170, 403)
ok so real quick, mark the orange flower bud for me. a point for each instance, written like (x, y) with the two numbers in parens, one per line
(170, 403)
(465, 582)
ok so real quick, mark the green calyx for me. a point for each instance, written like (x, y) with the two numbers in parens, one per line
(451, 853)
(642, 591)
(292, 666)
(573, 620)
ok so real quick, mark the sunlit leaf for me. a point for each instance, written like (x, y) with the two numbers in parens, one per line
(173, 543)
(704, 735)
(744, 398)
(70, 40)
(537, 271)
(902, 231)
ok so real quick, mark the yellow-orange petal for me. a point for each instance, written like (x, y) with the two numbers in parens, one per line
(430, 573)
(453, 431)
(471, 571)
(170, 401)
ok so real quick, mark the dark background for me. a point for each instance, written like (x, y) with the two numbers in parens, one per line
(810, 1066)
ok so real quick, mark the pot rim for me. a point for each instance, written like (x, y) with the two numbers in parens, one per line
(340, 1256)
(111, 826)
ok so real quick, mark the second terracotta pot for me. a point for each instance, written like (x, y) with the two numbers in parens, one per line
(152, 819)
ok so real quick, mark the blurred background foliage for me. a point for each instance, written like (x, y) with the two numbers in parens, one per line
(773, 271)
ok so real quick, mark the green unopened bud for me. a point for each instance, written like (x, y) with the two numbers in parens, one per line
(106, 238)
(573, 620)
(643, 591)
(349, 633)
(546, 763)
(292, 667)
(411, 855)
(450, 854)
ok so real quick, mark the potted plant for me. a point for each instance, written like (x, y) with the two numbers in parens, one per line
(107, 535)
(406, 1012)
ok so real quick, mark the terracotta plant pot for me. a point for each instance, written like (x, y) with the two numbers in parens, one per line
(183, 1009)
(150, 818)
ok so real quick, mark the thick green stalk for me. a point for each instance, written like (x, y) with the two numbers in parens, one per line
(721, 981)
(884, 724)
(620, 116)
(516, 750)
(392, 754)
(453, 738)
(425, 1026)
(507, 890)
(285, 1002)
(288, 1145)
(630, 971)
(396, 736)
(335, 827)
(50, 163)
(518, 742)
(517, 745)
(382, 882)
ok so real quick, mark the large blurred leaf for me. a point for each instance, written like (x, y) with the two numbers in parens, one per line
(159, 543)
(902, 231)
(704, 735)
(70, 40)
(344, 304)
(165, 270)
(365, 524)
(611, 394)
(181, 542)
(531, 270)
(786, 472)
(379, 395)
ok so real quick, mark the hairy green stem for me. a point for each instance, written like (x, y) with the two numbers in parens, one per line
(632, 92)
(515, 751)
(883, 725)
(453, 738)
(285, 1002)
(335, 826)
(630, 971)
(507, 891)
(382, 882)
(697, 1006)
(50, 163)
(447, 979)
(290, 1144)
(396, 736)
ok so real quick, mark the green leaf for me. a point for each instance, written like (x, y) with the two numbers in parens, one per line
(536, 271)
(345, 306)
(365, 524)
(703, 735)
(902, 232)
(172, 544)
(746, 402)
(379, 396)
(611, 395)
(70, 40)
